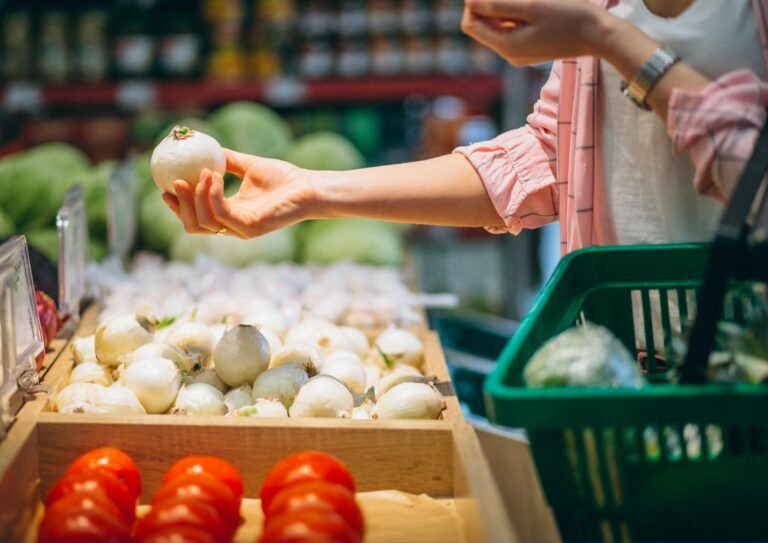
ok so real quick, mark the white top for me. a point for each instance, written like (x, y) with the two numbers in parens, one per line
(648, 187)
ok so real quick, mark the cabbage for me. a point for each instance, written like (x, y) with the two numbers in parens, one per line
(158, 225)
(586, 356)
(359, 240)
(6, 226)
(251, 128)
(278, 246)
(33, 183)
(325, 151)
(144, 173)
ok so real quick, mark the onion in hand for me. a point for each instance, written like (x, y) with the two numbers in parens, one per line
(184, 154)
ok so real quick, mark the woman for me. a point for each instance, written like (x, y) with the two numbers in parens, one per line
(589, 157)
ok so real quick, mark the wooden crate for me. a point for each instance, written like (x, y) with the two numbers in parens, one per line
(443, 462)
(59, 365)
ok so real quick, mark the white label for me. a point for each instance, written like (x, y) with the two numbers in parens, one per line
(135, 95)
(23, 98)
(284, 91)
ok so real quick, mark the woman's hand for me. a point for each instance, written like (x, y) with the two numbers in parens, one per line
(531, 31)
(273, 194)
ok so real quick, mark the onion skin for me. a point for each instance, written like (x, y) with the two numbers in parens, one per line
(184, 154)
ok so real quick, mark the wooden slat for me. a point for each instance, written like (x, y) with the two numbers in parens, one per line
(19, 481)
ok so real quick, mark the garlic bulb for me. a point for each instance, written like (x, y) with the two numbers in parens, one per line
(360, 343)
(347, 368)
(401, 374)
(372, 374)
(91, 372)
(273, 339)
(400, 346)
(163, 350)
(118, 400)
(299, 355)
(155, 381)
(194, 339)
(241, 355)
(323, 396)
(238, 397)
(77, 395)
(184, 154)
(199, 399)
(268, 318)
(263, 407)
(363, 411)
(409, 401)
(120, 335)
(84, 349)
(208, 376)
(282, 383)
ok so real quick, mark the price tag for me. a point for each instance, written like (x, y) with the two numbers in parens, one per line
(20, 334)
(122, 210)
(284, 91)
(72, 226)
(23, 98)
(136, 95)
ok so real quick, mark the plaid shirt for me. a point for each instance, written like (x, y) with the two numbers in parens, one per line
(550, 169)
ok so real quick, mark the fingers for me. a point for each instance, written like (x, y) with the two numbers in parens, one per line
(217, 207)
(172, 202)
(186, 201)
(238, 163)
(501, 9)
(203, 208)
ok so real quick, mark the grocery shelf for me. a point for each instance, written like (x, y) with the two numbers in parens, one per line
(283, 91)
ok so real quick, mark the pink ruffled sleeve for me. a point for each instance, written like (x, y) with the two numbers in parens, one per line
(518, 167)
(718, 127)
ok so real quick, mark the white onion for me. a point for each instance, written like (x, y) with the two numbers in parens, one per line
(118, 400)
(155, 381)
(184, 154)
(299, 355)
(400, 374)
(241, 355)
(359, 340)
(195, 339)
(323, 396)
(238, 397)
(199, 399)
(91, 372)
(208, 376)
(272, 319)
(329, 339)
(163, 350)
(217, 332)
(347, 368)
(281, 383)
(76, 396)
(409, 401)
(272, 337)
(400, 346)
(303, 332)
(265, 408)
(120, 335)
(84, 349)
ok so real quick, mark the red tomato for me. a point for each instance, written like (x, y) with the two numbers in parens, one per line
(83, 517)
(112, 460)
(203, 488)
(209, 465)
(303, 467)
(101, 481)
(309, 525)
(320, 494)
(187, 511)
(179, 534)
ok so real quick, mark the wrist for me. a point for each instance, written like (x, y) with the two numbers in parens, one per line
(321, 204)
(603, 34)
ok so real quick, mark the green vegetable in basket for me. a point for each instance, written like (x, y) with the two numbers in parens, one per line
(586, 356)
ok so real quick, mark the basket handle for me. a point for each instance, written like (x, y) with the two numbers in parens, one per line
(727, 253)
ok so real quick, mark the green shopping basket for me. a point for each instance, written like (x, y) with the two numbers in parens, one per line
(669, 462)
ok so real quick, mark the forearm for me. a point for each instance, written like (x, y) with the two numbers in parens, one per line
(627, 48)
(441, 191)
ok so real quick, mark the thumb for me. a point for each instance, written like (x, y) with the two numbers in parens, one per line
(238, 163)
(499, 9)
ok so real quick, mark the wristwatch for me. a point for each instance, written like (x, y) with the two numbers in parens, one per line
(648, 75)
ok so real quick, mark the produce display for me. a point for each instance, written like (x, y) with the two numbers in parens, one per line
(310, 497)
(263, 366)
